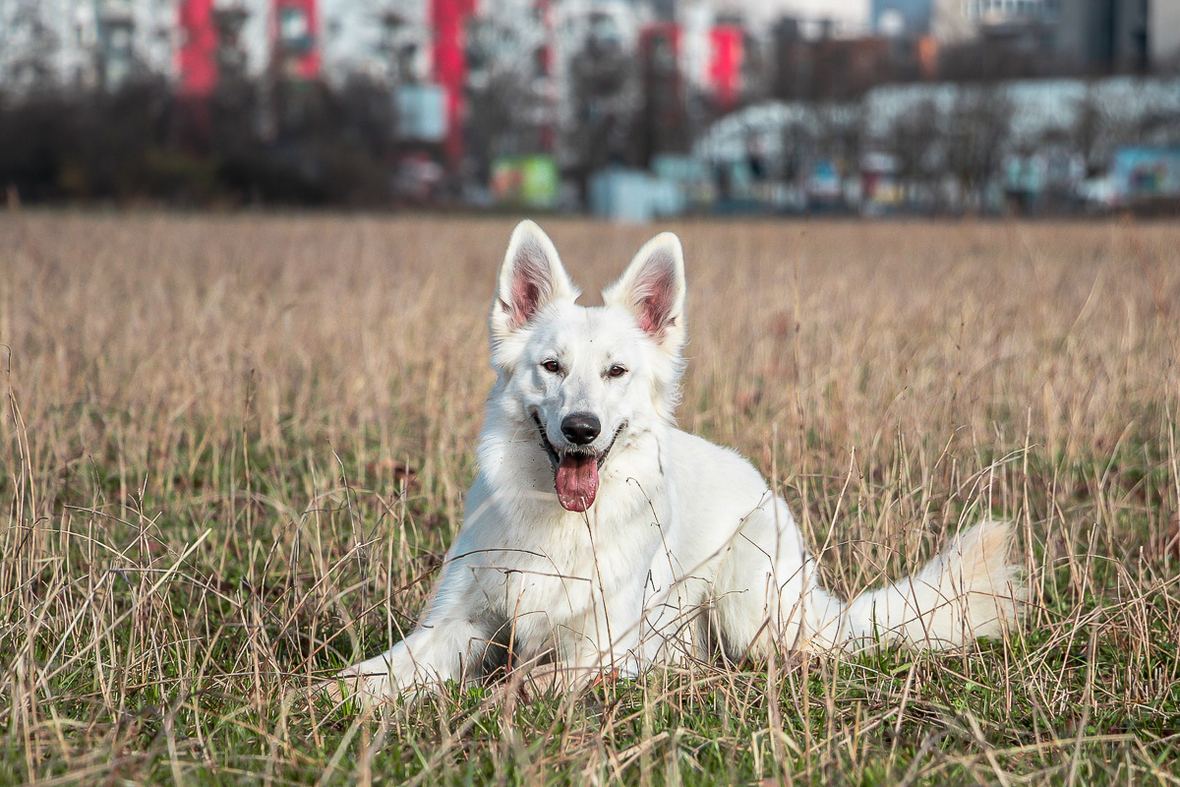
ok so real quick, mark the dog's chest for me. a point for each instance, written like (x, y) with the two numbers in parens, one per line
(566, 570)
(562, 581)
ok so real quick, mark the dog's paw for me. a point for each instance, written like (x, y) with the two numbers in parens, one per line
(362, 684)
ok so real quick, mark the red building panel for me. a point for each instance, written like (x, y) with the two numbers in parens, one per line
(725, 64)
(448, 18)
(197, 57)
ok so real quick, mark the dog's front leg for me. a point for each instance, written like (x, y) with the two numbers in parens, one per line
(429, 657)
(608, 646)
(449, 644)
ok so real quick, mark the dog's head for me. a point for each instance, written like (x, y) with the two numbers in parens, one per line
(584, 376)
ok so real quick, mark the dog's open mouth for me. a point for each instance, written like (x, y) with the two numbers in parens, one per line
(575, 473)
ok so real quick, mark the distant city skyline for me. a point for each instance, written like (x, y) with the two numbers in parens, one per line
(350, 32)
(352, 36)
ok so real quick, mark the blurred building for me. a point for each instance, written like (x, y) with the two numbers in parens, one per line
(294, 39)
(28, 43)
(841, 69)
(105, 42)
(835, 18)
(134, 38)
(213, 44)
(1107, 35)
(895, 18)
(1060, 36)
(84, 43)
(1164, 35)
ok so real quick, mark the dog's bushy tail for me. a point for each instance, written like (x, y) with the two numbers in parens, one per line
(969, 590)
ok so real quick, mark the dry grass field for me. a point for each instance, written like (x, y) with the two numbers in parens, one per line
(234, 447)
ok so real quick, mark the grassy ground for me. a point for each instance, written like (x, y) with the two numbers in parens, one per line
(234, 449)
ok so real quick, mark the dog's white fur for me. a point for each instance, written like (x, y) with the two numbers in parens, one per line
(682, 547)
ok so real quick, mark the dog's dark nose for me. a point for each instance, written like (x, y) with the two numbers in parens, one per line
(580, 428)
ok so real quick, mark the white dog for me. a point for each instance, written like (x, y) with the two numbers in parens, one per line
(599, 539)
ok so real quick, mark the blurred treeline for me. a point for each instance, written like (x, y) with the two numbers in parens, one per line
(307, 144)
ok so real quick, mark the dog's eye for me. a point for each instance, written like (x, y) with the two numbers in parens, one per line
(551, 366)
(616, 370)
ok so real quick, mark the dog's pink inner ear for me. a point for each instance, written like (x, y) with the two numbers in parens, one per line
(530, 285)
(526, 299)
(655, 295)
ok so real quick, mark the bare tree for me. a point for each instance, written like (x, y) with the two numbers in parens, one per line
(915, 139)
(498, 122)
(980, 125)
(1090, 129)
(840, 132)
(799, 142)
(606, 99)
(506, 110)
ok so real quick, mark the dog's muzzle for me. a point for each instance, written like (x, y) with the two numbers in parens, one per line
(575, 471)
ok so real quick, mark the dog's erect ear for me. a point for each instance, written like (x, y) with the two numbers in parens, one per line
(652, 288)
(530, 278)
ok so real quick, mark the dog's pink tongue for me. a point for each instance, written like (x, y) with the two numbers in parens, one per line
(577, 482)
